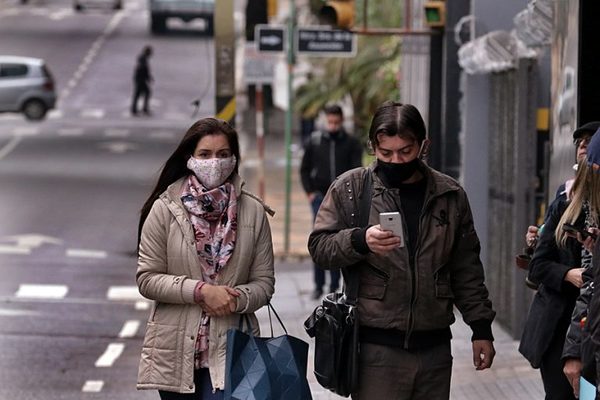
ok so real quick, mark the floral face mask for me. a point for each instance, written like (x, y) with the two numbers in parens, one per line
(212, 172)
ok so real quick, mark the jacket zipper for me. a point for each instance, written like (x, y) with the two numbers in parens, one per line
(411, 272)
(414, 276)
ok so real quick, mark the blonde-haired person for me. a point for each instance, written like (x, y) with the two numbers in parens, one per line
(205, 257)
(559, 264)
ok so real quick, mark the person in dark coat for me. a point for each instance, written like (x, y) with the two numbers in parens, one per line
(327, 154)
(580, 348)
(558, 265)
(142, 79)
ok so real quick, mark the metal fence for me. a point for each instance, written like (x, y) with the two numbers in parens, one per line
(511, 189)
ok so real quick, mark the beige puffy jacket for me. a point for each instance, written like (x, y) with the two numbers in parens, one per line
(168, 271)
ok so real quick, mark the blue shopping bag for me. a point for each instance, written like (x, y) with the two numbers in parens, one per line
(265, 368)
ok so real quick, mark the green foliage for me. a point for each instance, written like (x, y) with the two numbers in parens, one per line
(368, 79)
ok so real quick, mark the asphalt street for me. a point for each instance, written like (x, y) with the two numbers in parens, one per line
(71, 320)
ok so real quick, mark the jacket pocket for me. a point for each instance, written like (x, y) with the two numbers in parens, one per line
(373, 283)
(443, 289)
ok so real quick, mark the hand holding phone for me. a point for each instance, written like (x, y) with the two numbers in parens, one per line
(574, 230)
(392, 221)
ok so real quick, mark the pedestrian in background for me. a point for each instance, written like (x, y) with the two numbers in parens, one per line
(327, 154)
(408, 288)
(142, 80)
(205, 256)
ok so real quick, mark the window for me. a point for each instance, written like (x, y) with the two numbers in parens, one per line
(12, 70)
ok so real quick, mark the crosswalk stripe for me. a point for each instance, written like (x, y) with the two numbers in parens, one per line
(124, 293)
(42, 291)
(110, 355)
(114, 132)
(83, 253)
(142, 305)
(129, 329)
(92, 386)
(11, 249)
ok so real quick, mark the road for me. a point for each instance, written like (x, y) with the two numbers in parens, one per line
(71, 321)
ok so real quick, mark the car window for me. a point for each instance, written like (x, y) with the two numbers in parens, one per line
(13, 70)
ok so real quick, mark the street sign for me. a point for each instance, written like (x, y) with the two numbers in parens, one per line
(325, 42)
(269, 38)
(258, 67)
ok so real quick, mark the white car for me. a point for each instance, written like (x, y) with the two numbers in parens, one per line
(26, 86)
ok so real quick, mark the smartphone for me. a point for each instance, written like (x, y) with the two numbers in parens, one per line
(392, 221)
(574, 230)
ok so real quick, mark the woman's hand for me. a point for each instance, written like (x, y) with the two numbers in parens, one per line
(218, 301)
(589, 242)
(573, 276)
(532, 235)
(381, 242)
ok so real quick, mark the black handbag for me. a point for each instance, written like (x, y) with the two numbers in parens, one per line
(334, 324)
(265, 368)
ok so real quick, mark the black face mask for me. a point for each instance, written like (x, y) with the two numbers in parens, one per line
(396, 173)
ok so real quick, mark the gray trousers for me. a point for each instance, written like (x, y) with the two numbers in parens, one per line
(393, 373)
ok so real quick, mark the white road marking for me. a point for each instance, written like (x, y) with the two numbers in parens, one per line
(115, 132)
(55, 114)
(8, 249)
(162, 135)
(118, 147)
(92, 386)
(84, 253)
(32, 240)
(112, 352)
(93, 113)
(7, 312)
(142, 305)
(129, 329)
(42, 291)
(124, 293)
(10, 146)
(91, 54)
(70, 132)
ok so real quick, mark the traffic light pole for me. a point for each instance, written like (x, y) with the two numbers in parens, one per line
(288, 125)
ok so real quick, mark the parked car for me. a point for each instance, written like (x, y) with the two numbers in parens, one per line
(186, 10)
(27, 86)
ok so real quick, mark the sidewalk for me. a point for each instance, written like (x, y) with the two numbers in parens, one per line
(511, 376)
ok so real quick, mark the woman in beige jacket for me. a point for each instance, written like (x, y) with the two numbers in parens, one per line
(205, 257)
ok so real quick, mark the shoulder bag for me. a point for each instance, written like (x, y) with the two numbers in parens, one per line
(334, 323)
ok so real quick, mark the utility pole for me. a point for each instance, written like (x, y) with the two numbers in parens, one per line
(288, 125)
(225, 60)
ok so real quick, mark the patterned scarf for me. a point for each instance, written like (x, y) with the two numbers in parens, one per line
(213, 214)
(586, 256)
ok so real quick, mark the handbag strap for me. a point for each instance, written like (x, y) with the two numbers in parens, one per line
(351, 279)
(245, 318)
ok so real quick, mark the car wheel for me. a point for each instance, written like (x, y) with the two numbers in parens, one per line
(118, 5)
(35, 110)
(78, 7)
(158, 24)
